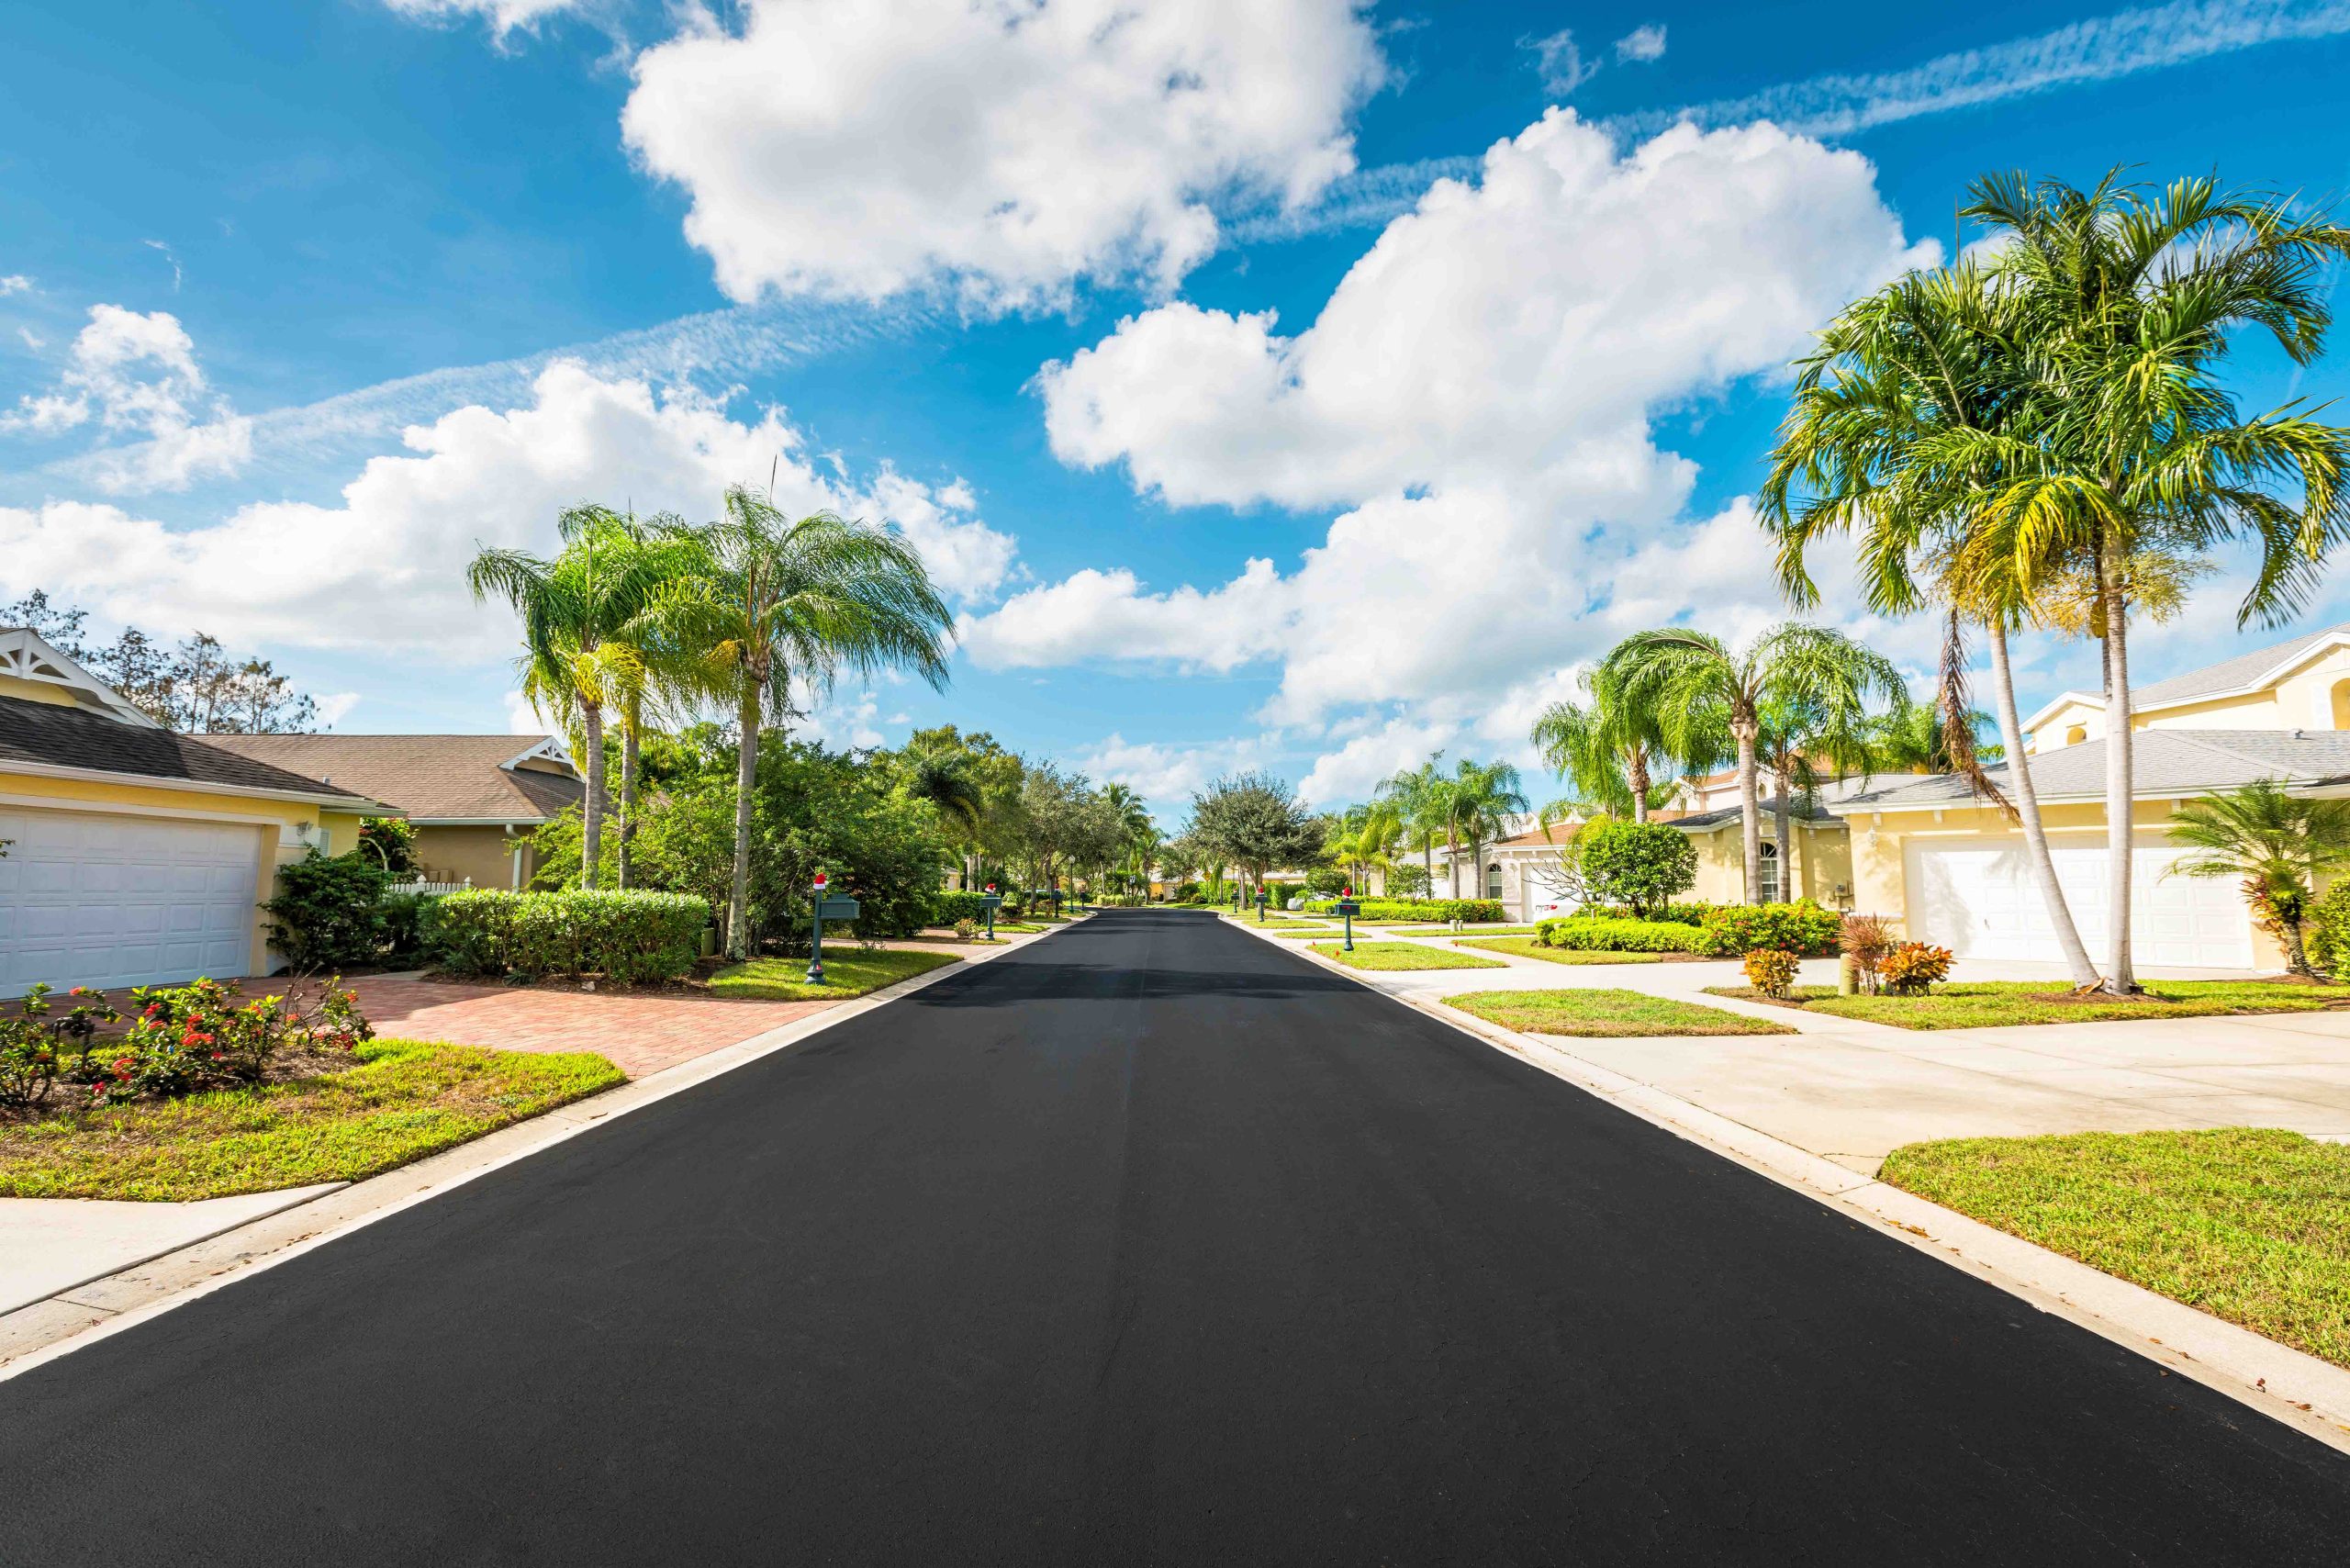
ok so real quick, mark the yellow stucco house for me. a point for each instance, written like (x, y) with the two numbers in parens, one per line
(135, 855)
(1951, 869)
(475, 800)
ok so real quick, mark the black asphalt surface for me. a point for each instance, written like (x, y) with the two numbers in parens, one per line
(1148, 1243)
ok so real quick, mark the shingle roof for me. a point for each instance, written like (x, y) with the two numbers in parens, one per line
(2166, 763)
(431, 778)
(51, 735)
(1801, 810)
(2229, 674)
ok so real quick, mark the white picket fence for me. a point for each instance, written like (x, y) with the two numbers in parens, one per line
(427, 889)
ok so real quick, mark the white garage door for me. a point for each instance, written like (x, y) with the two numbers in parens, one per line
(87, 898)
(1980, 902)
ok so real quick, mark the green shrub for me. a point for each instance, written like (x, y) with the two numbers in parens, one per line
(629, 937)
(327, 912)
(948, 907)
(1602, 935)
(405, 922)
(1803, 928)
(2329, 928)
(1639, 865)
(1771, 970)
(1469, 911)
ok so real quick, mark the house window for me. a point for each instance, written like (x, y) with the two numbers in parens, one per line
(1493, 880)
(2077, 734)
(1770, 872)
(2341, 704)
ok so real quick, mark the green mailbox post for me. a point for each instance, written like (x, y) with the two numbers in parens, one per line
(1262, 900)
(1348, 910)
(825, 907)
(993, 901)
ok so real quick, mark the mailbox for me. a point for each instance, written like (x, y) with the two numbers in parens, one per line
(837, 908)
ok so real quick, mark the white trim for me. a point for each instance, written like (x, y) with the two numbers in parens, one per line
(2324, 642)
(358, 804)
(550, 747)
(21, 648)
(124, 809)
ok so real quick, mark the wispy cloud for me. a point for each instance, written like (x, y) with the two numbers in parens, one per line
(2102, 49)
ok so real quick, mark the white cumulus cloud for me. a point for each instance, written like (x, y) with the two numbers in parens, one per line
(1643, 43)
(136, 374)
(1010, 146)
(385, 568)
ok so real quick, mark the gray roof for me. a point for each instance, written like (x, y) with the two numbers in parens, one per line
(2229, 674)
(52, 734)
(1801, 810)
(2169, 763)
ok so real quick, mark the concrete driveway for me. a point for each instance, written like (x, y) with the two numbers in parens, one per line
(1853, 1092)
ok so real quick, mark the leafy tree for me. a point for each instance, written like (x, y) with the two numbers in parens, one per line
(1644, 866)
(1699, 687)
(2277, 844)
(768, 599)
(1255, 821)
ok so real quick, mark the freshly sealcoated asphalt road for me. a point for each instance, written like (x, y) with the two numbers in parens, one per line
(1148, 1243)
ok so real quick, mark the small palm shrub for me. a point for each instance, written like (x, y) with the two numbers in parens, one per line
(1913, 968)
(965, 930)
(1772, 971)
(1864, 941)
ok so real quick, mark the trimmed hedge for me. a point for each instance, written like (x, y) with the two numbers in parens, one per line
(1604, 934)
(1469, 911)
(1803, 928)
(627, 938)
(2329, 929)
(947, 907)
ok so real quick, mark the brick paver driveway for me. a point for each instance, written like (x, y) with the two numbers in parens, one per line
(639, 1035)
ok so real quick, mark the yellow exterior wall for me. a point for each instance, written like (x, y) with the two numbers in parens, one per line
(333, 832)
(1823, 862)
(35, 692)
(1878, 841)
(457, 853)
(2305, 700)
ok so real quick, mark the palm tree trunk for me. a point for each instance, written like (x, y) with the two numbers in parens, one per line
(2120, 782)
(629, 756)
(1452, 858)
(2027, 802)
(1749, 811)
(1637, 776)
(746, 773)
(1427, 859)
(591, 850)
(1783, 825)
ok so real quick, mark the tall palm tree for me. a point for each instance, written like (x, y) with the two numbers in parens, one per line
(1135, 825)
(1890, 437)
(1698, 686)
(1611, 752)
(772, 601)
(2278, 845)
(1478, 802)
(2129, 300)
(576, 612)
(1416, 793)
(1366, 839)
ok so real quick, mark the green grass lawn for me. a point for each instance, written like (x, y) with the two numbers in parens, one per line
(1311, 934)
(404, 1099)
(1527, 947)
(1403, 956)
(1423, 929)
(2248, 1223)
(848, 971)
(1982, 1004)
(1610, 1014)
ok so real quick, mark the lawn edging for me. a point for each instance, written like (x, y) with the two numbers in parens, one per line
(2288, 1385)
(63, 1322)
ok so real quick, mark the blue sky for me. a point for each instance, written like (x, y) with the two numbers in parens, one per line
(1283, 383)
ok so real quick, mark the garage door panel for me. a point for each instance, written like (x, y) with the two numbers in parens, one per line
(1981, 903)
(101, 900)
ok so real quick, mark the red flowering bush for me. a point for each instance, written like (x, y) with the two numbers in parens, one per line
(39, 1044)
(1913, 967)
(205, 1034)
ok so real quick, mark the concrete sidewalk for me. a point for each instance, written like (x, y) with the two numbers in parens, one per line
(1853, 1092)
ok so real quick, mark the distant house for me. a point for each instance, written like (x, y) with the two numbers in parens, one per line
(133, 855)
(475, 799)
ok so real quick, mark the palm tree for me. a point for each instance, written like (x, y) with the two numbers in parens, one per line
(2277, 843)
(1416, 793)
(577, 612)
(1612, 753)
(2127, 301)
(1365, 838)
(772, 601)
(1889, 437)
(1134, 822)
(1478, 802)
(1698, 686)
